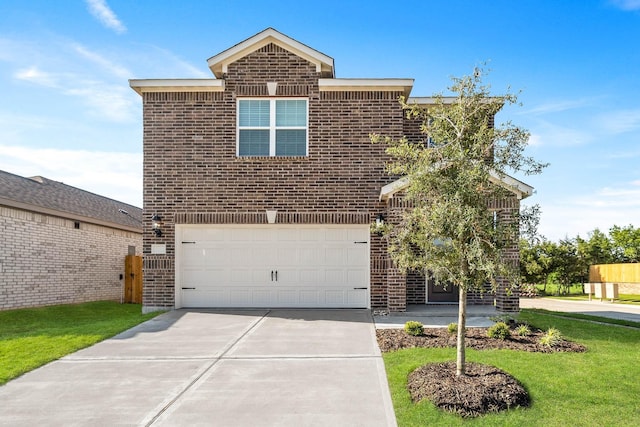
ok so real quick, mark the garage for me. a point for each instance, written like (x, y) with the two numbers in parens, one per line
(272, 266)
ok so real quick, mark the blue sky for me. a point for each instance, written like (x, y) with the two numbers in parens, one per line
(67, 112)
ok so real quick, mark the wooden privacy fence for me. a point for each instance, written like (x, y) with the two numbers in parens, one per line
(133, 279)
(614, 273)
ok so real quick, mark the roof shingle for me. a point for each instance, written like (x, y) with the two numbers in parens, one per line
(44, 195)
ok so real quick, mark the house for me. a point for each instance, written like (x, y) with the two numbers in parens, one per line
(262, 184)
(60, 244)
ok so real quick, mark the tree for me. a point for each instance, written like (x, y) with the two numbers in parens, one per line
(451, 230)
(626, 242)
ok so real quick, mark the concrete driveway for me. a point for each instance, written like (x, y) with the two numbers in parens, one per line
(215, 368)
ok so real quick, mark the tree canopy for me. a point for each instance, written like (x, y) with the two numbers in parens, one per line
(453, 229)
(567, 261)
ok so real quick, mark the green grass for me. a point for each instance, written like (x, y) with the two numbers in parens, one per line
(588, 317)
(599, 387)
(622, 298)
(576, 293)
(32, 337)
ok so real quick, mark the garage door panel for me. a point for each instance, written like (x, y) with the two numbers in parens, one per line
(335, 256)
(316, 266)
(288, 235)
(311, 234)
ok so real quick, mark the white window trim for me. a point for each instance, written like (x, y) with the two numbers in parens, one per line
(272, 124)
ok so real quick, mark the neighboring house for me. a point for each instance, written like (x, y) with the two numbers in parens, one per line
(60, 244)
(264, 184)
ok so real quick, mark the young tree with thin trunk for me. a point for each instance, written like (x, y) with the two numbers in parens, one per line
(452, 230)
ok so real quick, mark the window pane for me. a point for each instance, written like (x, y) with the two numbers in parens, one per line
(291, 142)
(254, 143)
(291, 112)
(254, 113)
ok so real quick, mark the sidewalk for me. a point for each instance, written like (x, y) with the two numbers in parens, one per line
(594, 308)
(437, 316)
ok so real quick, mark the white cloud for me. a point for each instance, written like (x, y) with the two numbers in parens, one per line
(550, 134)
(173, 66)
(602, 208)
(627, 4)
(103, 13)
(621, 121)
(104, 63)
(111, 102)
(116, 175)
(558, 106)
(535, 140)
(34, 75)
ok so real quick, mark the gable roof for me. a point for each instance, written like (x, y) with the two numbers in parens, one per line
(519, 188)
(42, 195)
(219, 63)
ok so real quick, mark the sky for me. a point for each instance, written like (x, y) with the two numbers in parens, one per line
(67, 112)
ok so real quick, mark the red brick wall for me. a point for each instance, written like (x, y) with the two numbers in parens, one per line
(192, 174)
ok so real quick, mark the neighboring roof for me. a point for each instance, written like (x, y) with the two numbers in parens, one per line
(519, 188)
(219, 63)
(49, 197)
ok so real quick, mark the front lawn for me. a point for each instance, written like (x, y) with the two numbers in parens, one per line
(32, 337)
(599, 387)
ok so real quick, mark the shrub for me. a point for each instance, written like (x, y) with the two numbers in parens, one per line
(523, 330)
(551, 338)
(414, 328)
(500, 331)
(452, 328)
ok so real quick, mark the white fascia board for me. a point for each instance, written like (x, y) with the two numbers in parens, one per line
(220, 62)
(340, 85)
(519, 188)
(392, 188)
(176, 85)
(430, 100)
(446, 100)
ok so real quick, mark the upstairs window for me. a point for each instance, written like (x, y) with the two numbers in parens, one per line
(272, 127)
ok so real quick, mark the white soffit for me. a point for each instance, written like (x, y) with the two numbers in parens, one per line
(177, 85)
(388, 85)
(519, 188)
(430, 100)
(220, 62)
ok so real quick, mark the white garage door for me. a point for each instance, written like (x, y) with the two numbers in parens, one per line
(272, 266)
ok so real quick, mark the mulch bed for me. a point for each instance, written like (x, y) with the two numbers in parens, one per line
(484, 388)
(476, 338)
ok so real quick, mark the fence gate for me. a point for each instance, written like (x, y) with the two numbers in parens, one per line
(133, 279)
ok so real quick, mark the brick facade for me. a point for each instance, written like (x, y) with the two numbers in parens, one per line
(193, 176)
(46, 260)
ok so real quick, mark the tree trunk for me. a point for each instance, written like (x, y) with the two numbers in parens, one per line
(462, 321)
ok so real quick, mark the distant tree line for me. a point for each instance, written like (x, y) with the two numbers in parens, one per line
(567, 262)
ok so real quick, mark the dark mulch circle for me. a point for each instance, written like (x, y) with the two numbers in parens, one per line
(476, 338)
(482, 390)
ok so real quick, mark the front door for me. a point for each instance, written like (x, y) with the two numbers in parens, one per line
(441, 292)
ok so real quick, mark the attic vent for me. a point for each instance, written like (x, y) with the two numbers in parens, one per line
(122, 211)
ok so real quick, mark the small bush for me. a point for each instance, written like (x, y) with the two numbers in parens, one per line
(500, 331)
(505, 318)
(414, 328)
(551, 338)
(523, 330)
(452, 328)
